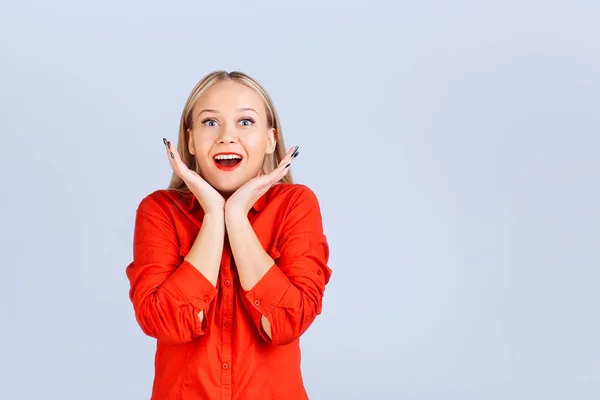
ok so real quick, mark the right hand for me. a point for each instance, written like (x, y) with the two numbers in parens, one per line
(208, 197)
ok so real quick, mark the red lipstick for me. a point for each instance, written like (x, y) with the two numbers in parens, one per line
(230, 164)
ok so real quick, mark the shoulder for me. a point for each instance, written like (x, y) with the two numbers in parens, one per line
(295, 193)
(297, 202)
(162, 200)
(299, 210)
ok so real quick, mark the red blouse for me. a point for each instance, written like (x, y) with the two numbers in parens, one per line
(228, 355)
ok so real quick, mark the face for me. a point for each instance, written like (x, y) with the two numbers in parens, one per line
(230, 135)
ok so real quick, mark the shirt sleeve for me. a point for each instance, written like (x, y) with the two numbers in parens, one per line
(167, 293)
(290, 294)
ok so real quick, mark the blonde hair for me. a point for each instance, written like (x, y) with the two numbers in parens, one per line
(271, 161)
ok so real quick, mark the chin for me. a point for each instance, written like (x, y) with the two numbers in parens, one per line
(226, 190)
(226, 187)
(229, 182)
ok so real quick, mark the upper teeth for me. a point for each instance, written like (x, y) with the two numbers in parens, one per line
(227, 157)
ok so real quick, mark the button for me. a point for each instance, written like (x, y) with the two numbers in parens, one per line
(227, 282)
(225, 365)
(257, 303)
(319, 272)
(206, 299)
(226, 324)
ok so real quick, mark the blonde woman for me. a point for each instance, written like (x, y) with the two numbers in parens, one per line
(230, 262)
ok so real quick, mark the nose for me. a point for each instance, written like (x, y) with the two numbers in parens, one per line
(227, 135)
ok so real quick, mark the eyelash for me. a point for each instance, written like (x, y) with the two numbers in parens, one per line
(204, 121)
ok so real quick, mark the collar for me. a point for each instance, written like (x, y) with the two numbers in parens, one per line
(190, 201)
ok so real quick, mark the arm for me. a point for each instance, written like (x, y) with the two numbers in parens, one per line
(169, 295)
(207, 250)
(255, 262)
(287, 291)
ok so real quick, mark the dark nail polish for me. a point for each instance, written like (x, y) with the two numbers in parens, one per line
(288, 165)
(164, 140)
(295, 154)
(172, 156)
(169, 144)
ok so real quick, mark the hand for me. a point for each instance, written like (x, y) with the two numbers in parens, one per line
(208, 197)
(244, 198)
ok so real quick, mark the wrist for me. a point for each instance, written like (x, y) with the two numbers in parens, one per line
(233, 214)
(217, 215)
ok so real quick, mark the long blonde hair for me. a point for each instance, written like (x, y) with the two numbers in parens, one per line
(270, 161)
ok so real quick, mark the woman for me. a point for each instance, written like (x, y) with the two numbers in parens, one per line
(230, 263)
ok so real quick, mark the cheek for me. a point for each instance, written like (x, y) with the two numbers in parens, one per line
(202, 144)
(256, 148)
(257, 140)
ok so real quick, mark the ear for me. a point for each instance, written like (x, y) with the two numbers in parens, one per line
(271, 141)
(190, 142)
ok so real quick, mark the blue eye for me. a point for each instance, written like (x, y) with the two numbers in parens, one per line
(247, 121)
(209, 122)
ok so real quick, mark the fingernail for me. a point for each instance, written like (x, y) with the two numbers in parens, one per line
(172, 156)
(169, 144)
(295, 154)
(288, 165)
(164, 140)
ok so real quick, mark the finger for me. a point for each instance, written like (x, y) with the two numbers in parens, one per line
(170, 154)
(280, 176)
(289, 157)
(296, 152)
(282, 169)
(278, 173)
(281, 172)
(174, 159)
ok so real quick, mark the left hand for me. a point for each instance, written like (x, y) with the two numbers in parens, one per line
(244, 198)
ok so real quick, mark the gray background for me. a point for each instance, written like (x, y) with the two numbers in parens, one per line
(453, 146)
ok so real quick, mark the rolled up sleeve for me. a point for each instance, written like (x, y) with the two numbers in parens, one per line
(167, 293)
(290, 294)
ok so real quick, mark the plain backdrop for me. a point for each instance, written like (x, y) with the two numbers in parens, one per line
(453, 146)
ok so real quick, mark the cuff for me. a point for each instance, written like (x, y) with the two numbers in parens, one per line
(192, 285)
(269, 291)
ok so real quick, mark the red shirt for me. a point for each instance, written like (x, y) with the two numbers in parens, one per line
(228, 355)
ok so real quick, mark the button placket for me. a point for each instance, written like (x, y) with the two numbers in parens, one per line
(228, 294)
(227, 332)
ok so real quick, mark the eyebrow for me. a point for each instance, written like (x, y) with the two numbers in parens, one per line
(215, 111)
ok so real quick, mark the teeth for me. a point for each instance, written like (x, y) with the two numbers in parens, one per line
(228, 157)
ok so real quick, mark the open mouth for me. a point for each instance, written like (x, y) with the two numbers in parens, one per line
(227, 161)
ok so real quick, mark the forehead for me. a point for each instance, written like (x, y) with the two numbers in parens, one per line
(229, 96)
